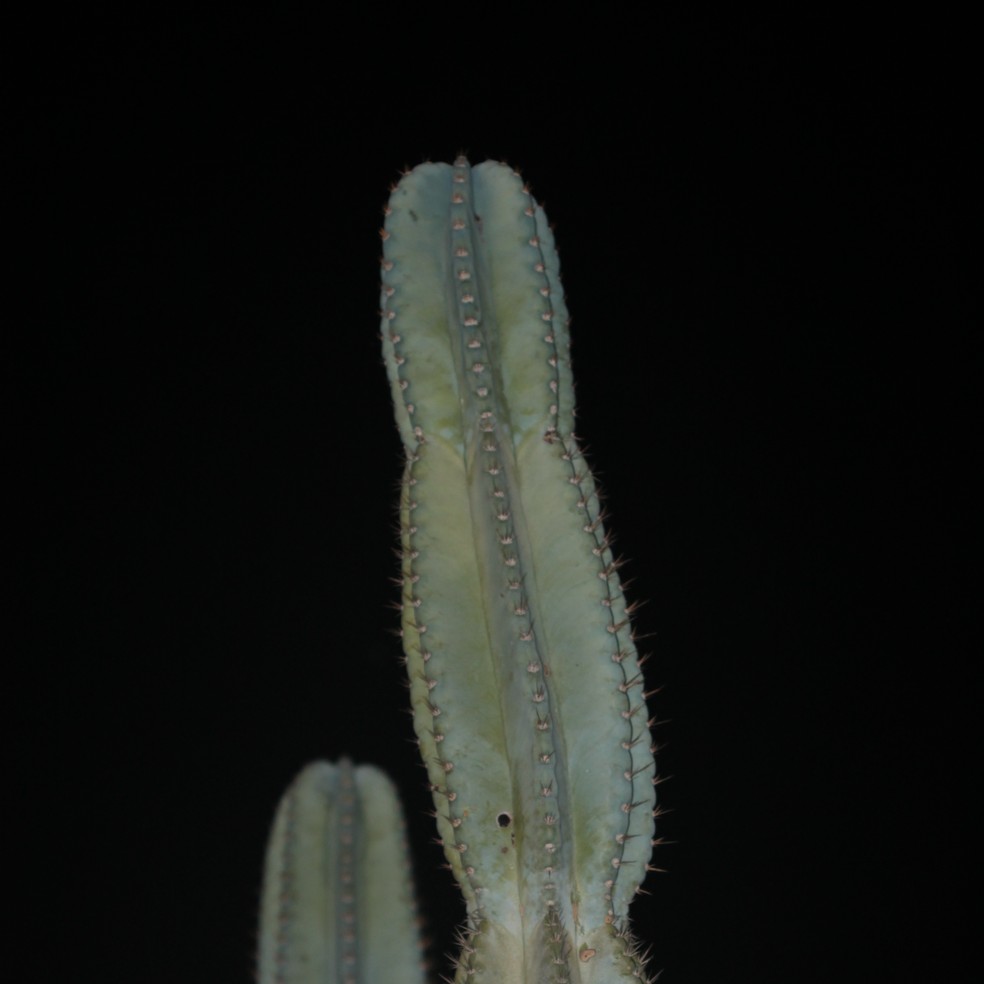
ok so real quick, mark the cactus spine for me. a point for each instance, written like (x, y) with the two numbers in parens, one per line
(526, 689)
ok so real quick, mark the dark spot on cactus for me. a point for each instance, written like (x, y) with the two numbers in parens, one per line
(503, 820)
(412, 214)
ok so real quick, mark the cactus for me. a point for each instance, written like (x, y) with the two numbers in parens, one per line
(337, 904)
(527, 694)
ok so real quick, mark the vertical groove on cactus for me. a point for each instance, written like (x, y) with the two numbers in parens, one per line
(526, 688)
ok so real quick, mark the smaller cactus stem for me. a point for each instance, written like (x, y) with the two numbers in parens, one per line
(337, 903)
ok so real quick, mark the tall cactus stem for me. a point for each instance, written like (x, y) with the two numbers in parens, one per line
(526, 689)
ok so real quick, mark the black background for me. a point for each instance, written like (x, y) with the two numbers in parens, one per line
(758, 225)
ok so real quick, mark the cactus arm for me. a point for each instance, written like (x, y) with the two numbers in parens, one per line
(525, 685)
(336, 902)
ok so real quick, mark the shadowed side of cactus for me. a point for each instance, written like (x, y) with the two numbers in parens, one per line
(337, 903)
(526, 688)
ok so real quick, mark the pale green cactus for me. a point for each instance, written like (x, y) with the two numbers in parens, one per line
(337, 903)
(527, 694)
